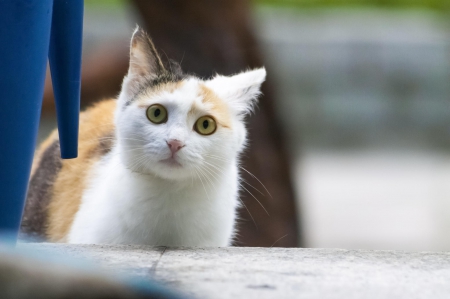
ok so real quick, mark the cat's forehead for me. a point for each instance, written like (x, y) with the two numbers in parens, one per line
(191, 97)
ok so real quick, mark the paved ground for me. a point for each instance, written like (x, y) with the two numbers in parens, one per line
(275, 272)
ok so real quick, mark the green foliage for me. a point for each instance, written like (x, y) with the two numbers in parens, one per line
(429, 4)
(406, 4)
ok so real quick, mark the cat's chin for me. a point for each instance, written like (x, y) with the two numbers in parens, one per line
(171, 162)
(168, 169)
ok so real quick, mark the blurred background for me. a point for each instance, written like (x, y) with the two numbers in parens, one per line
(357, 107)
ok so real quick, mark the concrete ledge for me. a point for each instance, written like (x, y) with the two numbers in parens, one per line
(275, 272)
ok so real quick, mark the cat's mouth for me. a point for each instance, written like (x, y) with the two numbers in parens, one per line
(171, 162)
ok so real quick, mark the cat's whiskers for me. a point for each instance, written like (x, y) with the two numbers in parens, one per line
(256, 189)
(251, 216)
(214, 175)
(195, 169)
(138, 166)
(252, 175)
(212, 165)
(192, 177)
(206, 177)
(259, 202)
(254, 198)
(137, 160)
(224, 160)
(241, 178)
(181, 61)
(247, 190)
(138, 163)
(119, 163)
(217, 178)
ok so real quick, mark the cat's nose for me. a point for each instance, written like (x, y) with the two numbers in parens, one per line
(174, 145)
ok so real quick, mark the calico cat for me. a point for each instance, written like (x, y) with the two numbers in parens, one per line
(157, 166)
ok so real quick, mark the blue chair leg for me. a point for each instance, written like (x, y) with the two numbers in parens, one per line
(24, 44)
(65, 60)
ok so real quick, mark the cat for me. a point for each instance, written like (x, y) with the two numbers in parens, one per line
(156, 166)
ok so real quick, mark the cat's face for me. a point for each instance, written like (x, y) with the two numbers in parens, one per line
(180, 127)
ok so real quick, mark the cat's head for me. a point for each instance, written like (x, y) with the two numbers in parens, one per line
(177, 126)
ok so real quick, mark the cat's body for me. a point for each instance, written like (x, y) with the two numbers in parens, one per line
(158, 166)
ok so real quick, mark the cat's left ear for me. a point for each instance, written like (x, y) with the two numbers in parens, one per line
(239, 91)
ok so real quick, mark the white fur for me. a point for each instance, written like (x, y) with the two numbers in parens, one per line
(134, 198)
(241, 90)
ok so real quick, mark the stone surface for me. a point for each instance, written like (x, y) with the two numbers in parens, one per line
(275, 272)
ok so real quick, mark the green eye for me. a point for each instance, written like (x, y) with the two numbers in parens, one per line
(157, 114)
(205, 125)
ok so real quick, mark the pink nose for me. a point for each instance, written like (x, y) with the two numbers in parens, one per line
(174, 145)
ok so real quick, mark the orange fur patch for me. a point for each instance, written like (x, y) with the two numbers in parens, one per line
(219, 108)
(168, 87)
(95, 123)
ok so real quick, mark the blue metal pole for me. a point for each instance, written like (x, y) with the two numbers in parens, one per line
(65, 62)
(31, 30)
(24, 44)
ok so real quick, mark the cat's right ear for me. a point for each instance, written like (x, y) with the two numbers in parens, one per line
(145, 63)
(240, 91)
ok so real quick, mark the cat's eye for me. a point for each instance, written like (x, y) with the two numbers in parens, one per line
(157, 114)
(205, 125)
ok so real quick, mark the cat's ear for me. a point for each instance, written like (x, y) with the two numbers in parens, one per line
(239, 91)
(145, 63)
